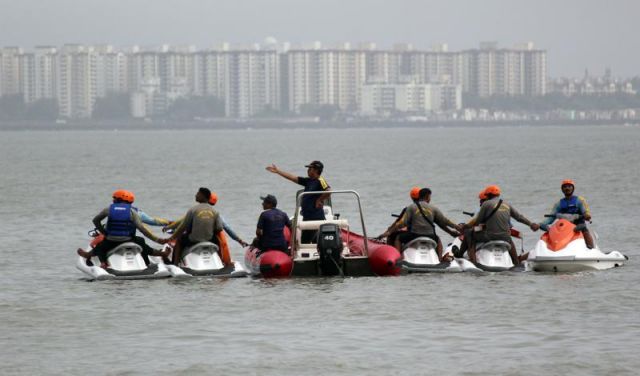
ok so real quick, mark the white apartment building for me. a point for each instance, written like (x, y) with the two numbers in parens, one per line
(252, 82)
(209, 69)
(512, 72)
(324, 77)
(10, 73)
(77, 81)
(39, 74)
(409, 98)
(112, 71)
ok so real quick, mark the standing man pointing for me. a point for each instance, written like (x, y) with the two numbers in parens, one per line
(311, 205)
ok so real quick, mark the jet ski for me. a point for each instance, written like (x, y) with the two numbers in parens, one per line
(562, 248)
(203, 259)
(420, 256)
(125, 262)
(493, 256)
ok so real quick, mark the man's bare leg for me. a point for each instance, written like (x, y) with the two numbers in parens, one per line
(513, 253)
(588, 239)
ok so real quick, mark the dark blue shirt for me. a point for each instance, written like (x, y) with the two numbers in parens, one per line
(308, 204)
(272, 223)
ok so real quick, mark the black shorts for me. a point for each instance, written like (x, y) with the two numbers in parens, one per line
(409, 236)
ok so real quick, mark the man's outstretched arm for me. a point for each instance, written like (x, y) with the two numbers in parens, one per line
(274, 169)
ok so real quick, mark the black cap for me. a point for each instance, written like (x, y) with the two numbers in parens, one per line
(316, 164)
(270, 199)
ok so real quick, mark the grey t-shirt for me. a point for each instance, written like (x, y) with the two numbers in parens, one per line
(202, 222)
(416, 222)
(498, 227)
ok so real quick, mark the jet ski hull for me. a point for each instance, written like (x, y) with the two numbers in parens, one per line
(564, 250)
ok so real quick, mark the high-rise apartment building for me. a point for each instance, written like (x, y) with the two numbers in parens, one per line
(10, 73)
(325, 77)
(508, 72)
(38, 70)
(77, 81)
(252, 82)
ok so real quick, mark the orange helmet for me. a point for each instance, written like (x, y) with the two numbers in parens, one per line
(568, 182)
(492, 190)
(482, 195)
(213, 198)
(124, 195)
(414, 193)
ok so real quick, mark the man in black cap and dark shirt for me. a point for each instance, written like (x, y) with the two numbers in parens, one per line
(271, 224)
(311, 205)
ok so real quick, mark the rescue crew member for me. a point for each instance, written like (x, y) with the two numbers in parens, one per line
(420, 218)
(270, 227)
(468, 232)
(201, 223)
(225, 225)
(493, 223)
(571, 204)
(414, 193)
(312, 206)
(122, 222)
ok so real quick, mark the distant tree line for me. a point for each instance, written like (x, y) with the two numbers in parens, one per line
(13, 107)
(553, 101)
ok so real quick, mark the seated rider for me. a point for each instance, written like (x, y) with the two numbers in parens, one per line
(225, 225)
(420, 219)
(122, 222)
(571, 204)
(200, 224)
(413, 194)
(482, 197)
(270, 228)
(493, 223)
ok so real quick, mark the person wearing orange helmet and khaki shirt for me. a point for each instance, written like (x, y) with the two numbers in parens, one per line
(493, 223)
(468, 232)
(420, 218)
(414, 193)
(213, 200)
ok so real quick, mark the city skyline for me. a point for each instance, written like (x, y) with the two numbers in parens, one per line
(272, 77)
(579, 35)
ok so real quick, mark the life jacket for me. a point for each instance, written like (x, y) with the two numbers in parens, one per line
(120, 222)
(569, 206)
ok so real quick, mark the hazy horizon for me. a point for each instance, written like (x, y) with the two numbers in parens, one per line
(578, 35)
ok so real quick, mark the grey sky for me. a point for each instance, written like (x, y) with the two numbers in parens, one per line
(578, 34)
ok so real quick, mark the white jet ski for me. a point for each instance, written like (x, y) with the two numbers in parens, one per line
(420, 256)
(494, 256)
(125, 262)
(562, 249)
(452, 250)
(203, 259)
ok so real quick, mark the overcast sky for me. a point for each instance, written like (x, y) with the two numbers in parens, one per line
(578, 34)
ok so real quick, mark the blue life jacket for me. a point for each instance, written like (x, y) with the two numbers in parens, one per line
(569, 206)
(120, 222)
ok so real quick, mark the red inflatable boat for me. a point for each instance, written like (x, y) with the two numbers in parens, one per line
(335, 250)
(269, 264)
